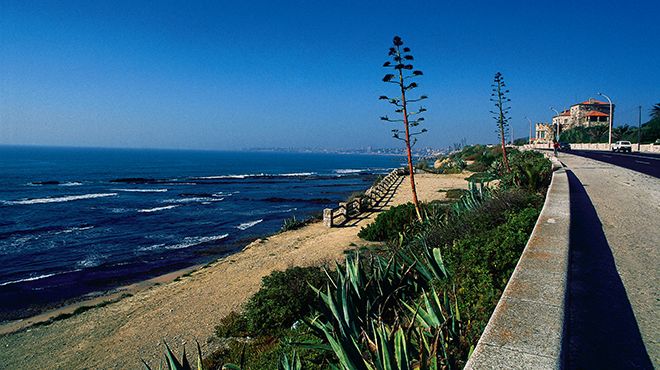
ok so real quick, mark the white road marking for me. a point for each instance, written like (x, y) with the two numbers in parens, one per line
(643, 162)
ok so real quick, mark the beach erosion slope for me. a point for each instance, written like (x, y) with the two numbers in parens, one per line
(185, 310)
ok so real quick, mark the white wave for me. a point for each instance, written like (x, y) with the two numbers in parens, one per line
(297, 174)
(191, 241)
(344, 171)
(39, 277)
(151, 247)
(91, 261)
(149, 210)
(141, 190)
(27, 279)
(71, 183)
(70, 230)
(247, 225)
(226, 177)
(194, 200)
(67, 198)
(248, 175)
(221, 194)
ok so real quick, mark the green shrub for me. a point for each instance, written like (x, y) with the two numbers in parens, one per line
(292, 224)
(284, 298)
(266, 351)
(481, 264)
(232, 325)
(455, 193)
(529, 170)
(477, 167)
(390, 223)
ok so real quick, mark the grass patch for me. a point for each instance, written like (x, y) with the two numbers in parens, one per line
(455, 193)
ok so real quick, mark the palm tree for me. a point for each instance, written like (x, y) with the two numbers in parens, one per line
(655, 111)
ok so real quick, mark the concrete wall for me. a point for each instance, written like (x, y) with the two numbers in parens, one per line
(527, 327)
(648, 148)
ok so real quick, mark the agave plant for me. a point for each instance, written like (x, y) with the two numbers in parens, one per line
(173, 363)
(366, 313)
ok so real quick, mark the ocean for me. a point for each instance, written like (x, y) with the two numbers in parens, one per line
(75, 222)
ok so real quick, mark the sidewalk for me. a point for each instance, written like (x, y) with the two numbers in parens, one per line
(613, 315)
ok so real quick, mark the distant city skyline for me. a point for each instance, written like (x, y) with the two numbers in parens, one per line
(207, 75)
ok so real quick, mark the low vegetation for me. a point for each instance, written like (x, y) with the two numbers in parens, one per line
(420, 302)
(293, 224)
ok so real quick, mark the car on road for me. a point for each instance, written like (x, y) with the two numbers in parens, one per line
(622, 146)
(564, 146)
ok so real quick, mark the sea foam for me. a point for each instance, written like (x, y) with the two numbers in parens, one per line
(67, 198)
(141, 190)
(247, 225)
(156, 209)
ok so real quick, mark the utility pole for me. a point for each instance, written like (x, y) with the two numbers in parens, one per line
(530, 129)
(639, 129)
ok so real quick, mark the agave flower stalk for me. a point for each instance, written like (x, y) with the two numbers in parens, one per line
(402, 77)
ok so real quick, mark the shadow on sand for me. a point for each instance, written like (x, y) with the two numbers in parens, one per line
(381, 206)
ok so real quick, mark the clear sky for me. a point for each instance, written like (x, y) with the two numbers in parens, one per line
(238, 74)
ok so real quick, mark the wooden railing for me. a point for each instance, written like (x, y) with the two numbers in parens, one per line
(373, 197)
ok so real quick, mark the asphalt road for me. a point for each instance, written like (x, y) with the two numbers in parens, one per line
(646, 163)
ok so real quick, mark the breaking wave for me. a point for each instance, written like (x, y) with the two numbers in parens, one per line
(187, 242)
(67, 198)
(141, 190)
(247, 225)
(194, 200)
(156, 209)
(77, 228)
(34, 278)
(251, 175)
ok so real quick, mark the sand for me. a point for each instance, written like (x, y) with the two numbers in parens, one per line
(180, 311)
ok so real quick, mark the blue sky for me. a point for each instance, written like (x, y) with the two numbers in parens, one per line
(231, 75)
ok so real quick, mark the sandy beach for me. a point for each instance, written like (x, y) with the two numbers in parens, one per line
(180, 311)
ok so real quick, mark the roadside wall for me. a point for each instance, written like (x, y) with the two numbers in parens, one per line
(527, 327)
(649, 148)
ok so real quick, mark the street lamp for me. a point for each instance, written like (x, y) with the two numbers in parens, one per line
(611, 118)
(530, 129)
(556, 133)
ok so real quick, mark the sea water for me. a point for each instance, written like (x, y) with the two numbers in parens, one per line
(76, 221)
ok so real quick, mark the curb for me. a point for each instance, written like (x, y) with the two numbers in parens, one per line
(527, 327)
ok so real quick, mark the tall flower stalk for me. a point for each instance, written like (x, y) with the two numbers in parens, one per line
(403, 77)
(498, 96)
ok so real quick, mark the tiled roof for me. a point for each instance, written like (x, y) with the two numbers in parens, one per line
(593, 102)
(565, 113)
(594, 113)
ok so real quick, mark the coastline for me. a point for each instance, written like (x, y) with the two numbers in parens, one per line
(184, 305)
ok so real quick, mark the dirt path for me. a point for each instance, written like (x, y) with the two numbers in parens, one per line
(118, 335)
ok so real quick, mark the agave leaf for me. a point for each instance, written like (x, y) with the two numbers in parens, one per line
(146, 366)
(172, 362)
(199, 357)
(437, 254)
(230, 367)
(401, 350)
(184, 360)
